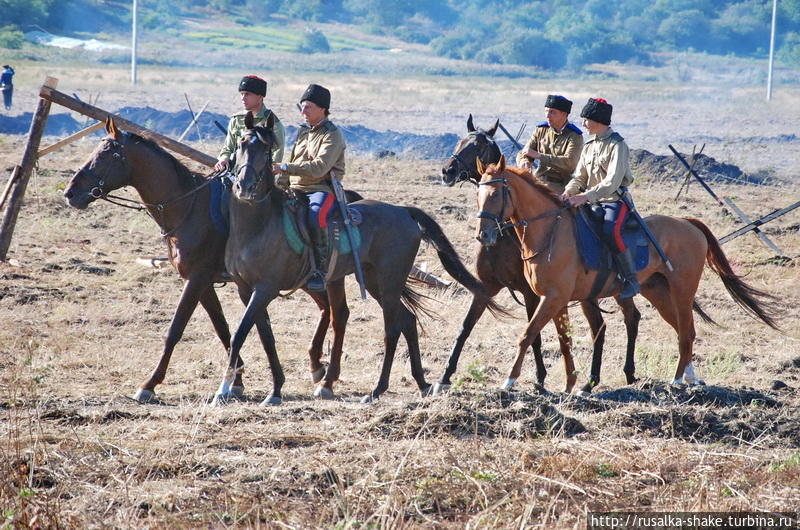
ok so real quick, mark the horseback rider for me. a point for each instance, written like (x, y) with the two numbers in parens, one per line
(601, 178)
(316, 157)
(252, 90)
(556, 143)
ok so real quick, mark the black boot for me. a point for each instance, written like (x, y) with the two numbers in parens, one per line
(630, 284)
(319, 248)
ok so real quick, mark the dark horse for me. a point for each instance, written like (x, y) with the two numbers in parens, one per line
(179, 202)
(262, 263)
(501, 266)
(556, 273)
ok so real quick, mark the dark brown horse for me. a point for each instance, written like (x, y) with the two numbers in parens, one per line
(262, 263)
(555, 271)
(179, 201)
(501, 266)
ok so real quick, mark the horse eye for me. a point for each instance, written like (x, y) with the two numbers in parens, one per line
(117, 155)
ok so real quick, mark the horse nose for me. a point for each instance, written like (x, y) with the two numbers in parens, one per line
(486, 237)
(68, 193)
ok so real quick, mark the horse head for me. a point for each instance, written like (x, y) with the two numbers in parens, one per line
(494, 202)
(478, 144)
(253, 172)
(107, 169)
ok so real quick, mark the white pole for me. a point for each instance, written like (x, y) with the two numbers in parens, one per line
(133, 45)
(771, 50)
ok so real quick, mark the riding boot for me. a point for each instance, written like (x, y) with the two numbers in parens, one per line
(319, 255)
(630, 284)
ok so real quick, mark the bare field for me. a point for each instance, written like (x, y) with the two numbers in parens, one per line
(83, 325)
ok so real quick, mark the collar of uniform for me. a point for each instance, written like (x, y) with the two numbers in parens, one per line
(262, 112)
(602, 136)
(321, 124)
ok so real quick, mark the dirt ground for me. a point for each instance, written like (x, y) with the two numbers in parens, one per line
(83, 327)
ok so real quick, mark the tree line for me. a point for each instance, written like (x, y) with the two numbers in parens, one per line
(550, 34)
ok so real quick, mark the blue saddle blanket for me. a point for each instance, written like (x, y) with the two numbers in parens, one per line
(219, 207)
(591, 248)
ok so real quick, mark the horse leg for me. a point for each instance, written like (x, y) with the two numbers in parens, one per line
(531, 303)
(392, 328)
(340, 313)
(632, 318)
(673, 309)
(598, 328)
(561, 321)
(547, 309)
(268, 341)
(256, 303)
(415, 359)
(316, 367)
(192, 290)
(210, 302)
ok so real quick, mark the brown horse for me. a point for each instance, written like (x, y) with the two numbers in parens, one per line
(179, 201)
(556, 273)
(501, 266)
(262, 262)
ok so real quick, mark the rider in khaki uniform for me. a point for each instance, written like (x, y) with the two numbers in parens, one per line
(602, 176)
(556, 143)
(317, 156)
(252, 90)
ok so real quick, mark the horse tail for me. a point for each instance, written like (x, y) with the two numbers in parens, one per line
(743, 294)
(702, 314)
(433, 234)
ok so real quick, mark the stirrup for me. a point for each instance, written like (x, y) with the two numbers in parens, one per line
(316, 282)
(629, 289)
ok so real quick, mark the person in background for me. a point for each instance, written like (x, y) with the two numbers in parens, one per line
(556, 144)
(602, 177)
(316, 157)
(252, 90)
(7, 85)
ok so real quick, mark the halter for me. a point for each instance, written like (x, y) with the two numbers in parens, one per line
(472, 174)
(501, 224)
(234, 176)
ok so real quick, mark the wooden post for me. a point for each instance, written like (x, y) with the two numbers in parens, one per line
(64, 100)
(80, 134)
(26, 167)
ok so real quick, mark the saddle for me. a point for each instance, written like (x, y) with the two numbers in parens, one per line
(595, 253)
(296, 229)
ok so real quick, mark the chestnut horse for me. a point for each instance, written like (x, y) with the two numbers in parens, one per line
(179, 201)
(555, 271)
(262, 263)
(501, 266)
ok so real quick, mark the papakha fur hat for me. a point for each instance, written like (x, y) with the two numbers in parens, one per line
(254, 84)
(559, 103)
(318, 95)
(597, 109)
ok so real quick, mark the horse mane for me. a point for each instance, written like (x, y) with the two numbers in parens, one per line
(185, 177)
(529, 179)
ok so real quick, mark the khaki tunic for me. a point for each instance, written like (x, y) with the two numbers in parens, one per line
(560, 151)
(604, 167)
(236, 130)
(317, 155)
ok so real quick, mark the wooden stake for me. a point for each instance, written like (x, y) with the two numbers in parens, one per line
(29, 158)
(61, 143)
(14, 176)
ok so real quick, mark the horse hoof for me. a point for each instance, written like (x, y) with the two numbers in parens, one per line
(441, 388)
(220, 399)
(677, 382)
(427, 391)
(271, 401)
(318, 374)
(237, 391)
(584, 394)
(323, 392)
(368, 399)
(144, 396)
(509, 384)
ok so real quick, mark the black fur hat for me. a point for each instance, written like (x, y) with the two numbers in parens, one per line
(254, 84)
(598, 110)
(559, 103)
(318, 95)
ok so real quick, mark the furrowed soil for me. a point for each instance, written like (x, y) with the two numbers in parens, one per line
(83, 324)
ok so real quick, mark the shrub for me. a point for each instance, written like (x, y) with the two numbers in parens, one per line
(313, 41)
(11, 37)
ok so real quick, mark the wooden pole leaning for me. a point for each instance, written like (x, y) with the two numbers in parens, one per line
(51, 94)
(29, 158)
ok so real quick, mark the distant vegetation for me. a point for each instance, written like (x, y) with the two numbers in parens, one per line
(550, 34)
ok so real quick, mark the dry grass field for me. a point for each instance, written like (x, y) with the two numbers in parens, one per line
(83, 326)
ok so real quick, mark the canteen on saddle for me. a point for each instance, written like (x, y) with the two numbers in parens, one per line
(595, 252)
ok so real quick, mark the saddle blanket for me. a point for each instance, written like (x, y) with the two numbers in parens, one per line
(219, 207)
(592, 248)
(336, 232)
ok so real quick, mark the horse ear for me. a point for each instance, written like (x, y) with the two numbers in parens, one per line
(248, 120)
(479, 165)
(111, 128)
(493, 130)
(501, 165)
(470, 127)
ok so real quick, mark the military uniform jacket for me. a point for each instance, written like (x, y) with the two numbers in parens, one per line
(560, 151)
(604, 166)
(236, 132)
(317, 155)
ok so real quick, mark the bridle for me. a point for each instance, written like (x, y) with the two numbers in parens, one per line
(472, 174)
(260, 174)
(506, 196)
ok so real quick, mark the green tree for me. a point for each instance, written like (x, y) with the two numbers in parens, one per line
(684, 29)
(24, 12)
